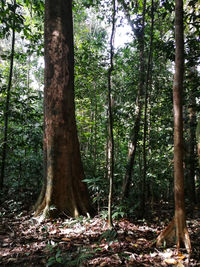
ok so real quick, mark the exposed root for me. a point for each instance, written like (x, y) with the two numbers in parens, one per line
(169, 235)
(186, 241)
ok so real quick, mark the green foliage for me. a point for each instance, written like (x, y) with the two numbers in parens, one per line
(25, 125)
(24, 166)
(109, 235)
(57, 258)
(119, 213)
(83, 256)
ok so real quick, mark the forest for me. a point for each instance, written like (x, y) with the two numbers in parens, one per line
(99, 133)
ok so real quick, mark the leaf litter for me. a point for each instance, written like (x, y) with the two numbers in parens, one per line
(24, 241)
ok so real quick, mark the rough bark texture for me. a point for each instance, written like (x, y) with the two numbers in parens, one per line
(63, 191)
(180, 221)
(182, 235)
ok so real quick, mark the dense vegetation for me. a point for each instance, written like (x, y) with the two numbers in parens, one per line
(23, 165)
(141, 78)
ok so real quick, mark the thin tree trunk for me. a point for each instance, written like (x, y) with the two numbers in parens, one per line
(179, 221)
(192, 118)
(198, 138)
(110, 122)
(29, 57)
(149, 66)
(93, 142)
(7, 107)
(95, 133)
(139, 104)
(191, 156)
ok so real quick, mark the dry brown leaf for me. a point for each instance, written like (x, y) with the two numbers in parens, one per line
(181, 257)
(170, 261)
(103, 264)
(66, 239)
(141, 241)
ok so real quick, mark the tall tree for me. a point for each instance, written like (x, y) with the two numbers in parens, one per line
(178, 224)
(198, 138)
(139, 32)
(63, 190)
(149, 69)
(110, 122)
(191, 155)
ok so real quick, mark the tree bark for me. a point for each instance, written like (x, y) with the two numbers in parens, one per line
(179, 222)
(63, 191)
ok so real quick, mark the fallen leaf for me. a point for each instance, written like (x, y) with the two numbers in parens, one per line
(170, 261)
(181, 257)
(66, 239)
(141, 240)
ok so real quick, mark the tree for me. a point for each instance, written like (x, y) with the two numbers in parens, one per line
(149, 70)
(191, 155)
(178, 224)
(139, 32)
(110, 145)
(63, 190)
(198, 138)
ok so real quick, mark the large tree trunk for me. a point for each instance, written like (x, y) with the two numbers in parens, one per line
(179, 221)
(63, 191)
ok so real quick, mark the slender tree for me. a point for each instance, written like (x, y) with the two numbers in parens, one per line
(63, 190)
(149, 67)
(7, 106)
(178, 224)
(198, 137)
(191, 142)
(139, 32)
(110, 122)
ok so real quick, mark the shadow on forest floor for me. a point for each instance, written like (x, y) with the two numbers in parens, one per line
(87, 242)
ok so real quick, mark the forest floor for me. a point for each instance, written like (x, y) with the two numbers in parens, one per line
(25, 241)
